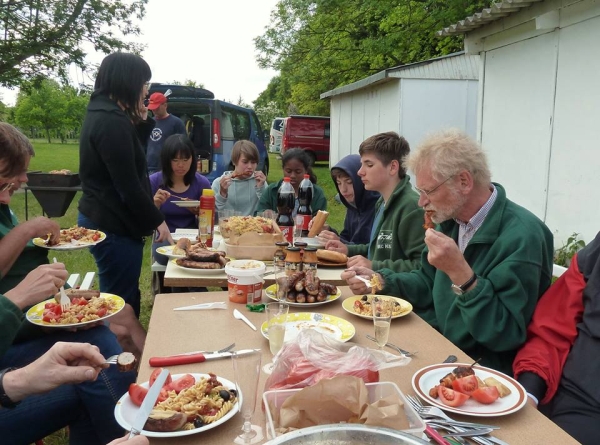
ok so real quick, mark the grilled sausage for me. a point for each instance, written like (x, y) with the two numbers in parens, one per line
(329, 289)
(299, 286)
(88, 294)
(300, 297)
(204, 255)
(184, 262)
(312, 283)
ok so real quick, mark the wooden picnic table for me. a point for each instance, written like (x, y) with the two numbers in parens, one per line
(172, 332)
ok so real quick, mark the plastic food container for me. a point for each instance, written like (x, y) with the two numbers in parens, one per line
(274, 399)
(244, 280)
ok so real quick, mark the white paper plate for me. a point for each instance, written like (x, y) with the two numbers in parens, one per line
(330, 325)
(74, 245)
(426, 378)
(311, 242)
(186, 203)
(125, 411)
(168, 251)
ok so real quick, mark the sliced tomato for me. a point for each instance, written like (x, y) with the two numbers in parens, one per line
(163, 395)
(49, 316)
(450, 397)
(155, 375)
(137, 393)
(79, 301)
(182, 383)
(101, 312)
(96, 236)
(486, 395)
(466, 385)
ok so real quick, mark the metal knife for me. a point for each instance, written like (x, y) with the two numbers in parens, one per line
(173, 360)
(148, 404)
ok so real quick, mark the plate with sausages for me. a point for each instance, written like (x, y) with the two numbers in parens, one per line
(271, 292)
(198, 267)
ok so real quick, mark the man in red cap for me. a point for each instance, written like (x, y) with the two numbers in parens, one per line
(166, 125)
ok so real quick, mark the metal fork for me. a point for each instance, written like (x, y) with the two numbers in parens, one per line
(436, 413)
(65, 302)
(112, 360)
(397, 348)
(364, 280)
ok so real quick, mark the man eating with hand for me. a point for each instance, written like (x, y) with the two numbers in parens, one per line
(486, 263)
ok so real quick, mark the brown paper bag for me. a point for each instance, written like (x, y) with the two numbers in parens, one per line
(341, 399)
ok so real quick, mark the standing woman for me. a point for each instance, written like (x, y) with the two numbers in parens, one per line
(295, 164)
(112, 167)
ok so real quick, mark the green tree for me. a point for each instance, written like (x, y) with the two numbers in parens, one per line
(318, 45)
(50, 107)
(42, 37)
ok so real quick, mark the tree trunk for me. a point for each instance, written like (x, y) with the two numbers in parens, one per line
(48, 135)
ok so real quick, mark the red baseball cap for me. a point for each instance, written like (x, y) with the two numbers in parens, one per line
(156, 100)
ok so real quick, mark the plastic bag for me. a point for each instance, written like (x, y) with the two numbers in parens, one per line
(312, 356)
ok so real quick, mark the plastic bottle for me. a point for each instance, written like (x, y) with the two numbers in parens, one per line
(285, 206)
(206, 217)
(305, 194)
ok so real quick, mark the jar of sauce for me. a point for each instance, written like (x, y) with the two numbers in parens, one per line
(293, 260)
(309, 259)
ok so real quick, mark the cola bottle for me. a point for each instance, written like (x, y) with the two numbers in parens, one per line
(286, 201)
(305, 194)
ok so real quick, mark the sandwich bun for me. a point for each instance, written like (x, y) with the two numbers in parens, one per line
(331, 256)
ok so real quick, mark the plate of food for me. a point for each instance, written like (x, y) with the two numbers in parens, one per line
(360, 305)
(335, 327)
(202, 393)
(312, 242)
(198, 267)
(496, 394)
(336, 293)
(186, 203)
(171, 251)
(87, 306)
(73, 238)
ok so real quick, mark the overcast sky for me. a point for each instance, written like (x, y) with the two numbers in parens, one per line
(210, 42)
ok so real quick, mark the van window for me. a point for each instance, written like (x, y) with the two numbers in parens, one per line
(239, 122)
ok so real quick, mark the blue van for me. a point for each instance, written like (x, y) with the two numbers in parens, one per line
(214, 126)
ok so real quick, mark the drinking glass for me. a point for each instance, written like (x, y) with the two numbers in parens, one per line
(382, 319)
(298, 222)
(277, 313)
(246, 369)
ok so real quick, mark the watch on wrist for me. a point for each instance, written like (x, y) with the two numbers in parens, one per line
(459, 290)
(5, 401)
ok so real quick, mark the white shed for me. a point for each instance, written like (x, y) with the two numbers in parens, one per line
(412, 100)
(539, 106)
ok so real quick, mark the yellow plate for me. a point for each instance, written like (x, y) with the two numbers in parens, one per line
(271, 292)
(348, 305)
(330, 325)
(74, 245)
(35, 313)
(168, 251)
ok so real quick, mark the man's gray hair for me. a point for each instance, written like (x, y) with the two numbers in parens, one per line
(447, 153)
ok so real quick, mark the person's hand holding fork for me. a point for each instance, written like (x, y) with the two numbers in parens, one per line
(357, 277)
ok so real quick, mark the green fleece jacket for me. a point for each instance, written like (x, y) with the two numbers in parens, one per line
(11, 319)
(511, 254)
(400, 235)
(268, 200)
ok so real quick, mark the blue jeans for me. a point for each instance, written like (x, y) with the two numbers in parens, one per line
(119, 261)
(87, 408)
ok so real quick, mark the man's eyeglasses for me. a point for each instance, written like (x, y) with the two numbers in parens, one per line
(6, 186)
(428, 193)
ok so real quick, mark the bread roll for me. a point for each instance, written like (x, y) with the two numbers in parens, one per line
(331, 256)
(318, 223)
(502, 389)
(183, 244)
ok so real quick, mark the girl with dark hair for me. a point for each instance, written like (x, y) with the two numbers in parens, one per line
(178, 177)
(117, 198)
(295, 164)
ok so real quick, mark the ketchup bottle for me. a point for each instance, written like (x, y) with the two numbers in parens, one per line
(206, 217)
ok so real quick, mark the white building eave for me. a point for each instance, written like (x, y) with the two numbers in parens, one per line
(456, 66)
(497, 11)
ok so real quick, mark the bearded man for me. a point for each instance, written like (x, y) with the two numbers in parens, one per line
(486, 262)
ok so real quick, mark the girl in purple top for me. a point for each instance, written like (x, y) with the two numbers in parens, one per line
(178, 177)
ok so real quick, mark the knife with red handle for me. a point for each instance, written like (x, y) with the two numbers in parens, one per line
(435, 436)
(184, 359)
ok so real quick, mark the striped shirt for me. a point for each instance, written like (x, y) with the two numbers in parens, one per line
(466, 230)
